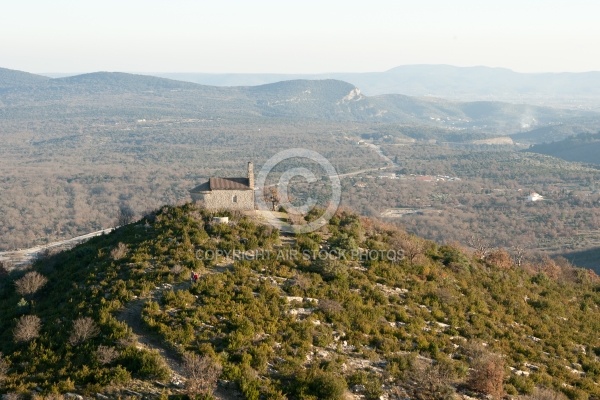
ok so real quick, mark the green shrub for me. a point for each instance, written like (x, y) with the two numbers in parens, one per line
(144, 363)
(319, 384)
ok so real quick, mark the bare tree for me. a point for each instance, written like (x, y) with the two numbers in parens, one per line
(430, 380)
(272, 196)
(125, 215)
(84, 328)
(176, 269)
(201, 373)
(28, 328)
(30, 283)
(500, 258)
(482, 247)
(330, 307)
(106, 354)
(119, 252)
(518, 253)
(487, 375)
(410, 247)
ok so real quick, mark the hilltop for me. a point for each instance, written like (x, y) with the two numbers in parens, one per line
(10, 78)
(358, 309)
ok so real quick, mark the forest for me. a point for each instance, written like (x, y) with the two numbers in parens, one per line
(489, 200)
(77, 150)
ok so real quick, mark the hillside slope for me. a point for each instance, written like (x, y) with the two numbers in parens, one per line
(552, 133)
(10, 78)
(358, 307)
(584, 148)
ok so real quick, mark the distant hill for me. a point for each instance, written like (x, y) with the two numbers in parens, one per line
(483, 83)
(119, 81)
(113, 94)
(583, 148)
(10, 78)
(455, 83)
(321, 99)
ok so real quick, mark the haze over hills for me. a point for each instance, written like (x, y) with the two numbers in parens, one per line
(573, 90)
(139, 96)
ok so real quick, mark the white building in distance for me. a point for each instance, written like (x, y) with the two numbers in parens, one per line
(533, 196)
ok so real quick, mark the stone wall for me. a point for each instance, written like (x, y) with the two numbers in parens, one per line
(226, 199)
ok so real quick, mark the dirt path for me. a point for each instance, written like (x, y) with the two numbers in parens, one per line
(132, 316)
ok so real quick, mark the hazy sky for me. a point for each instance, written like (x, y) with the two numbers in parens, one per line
(297, 36)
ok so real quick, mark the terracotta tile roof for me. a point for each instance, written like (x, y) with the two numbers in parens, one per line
(229, 184)
(223, 184)
(203, 187)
